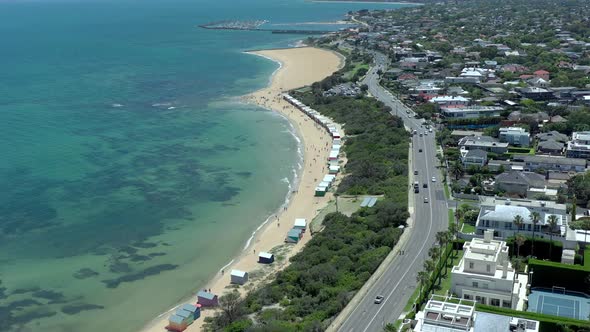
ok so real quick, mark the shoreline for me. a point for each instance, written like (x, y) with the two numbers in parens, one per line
(293, 71)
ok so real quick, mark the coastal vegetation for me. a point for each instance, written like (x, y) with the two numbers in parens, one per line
(325, 275)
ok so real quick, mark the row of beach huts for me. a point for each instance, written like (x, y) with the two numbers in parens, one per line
(333, 158)
(187, 313)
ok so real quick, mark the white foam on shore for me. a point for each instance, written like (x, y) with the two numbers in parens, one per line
(271, 59)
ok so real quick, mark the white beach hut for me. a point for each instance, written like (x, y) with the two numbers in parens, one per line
(329, 178)
(300, 223)
(239, 277)
(333, 155)
(334, 169)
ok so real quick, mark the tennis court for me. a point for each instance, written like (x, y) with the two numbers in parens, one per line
(559, 302)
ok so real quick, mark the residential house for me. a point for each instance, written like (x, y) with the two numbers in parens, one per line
(451, 314)
(550, 147)
(450, 101)
(542, 74)
(552, 163)
(536, 94)
(471, 112)
(518, 183)
(475, 157)
(485, 273)
(498, 214)
(485, 143)
(516, 136)
(579, 146)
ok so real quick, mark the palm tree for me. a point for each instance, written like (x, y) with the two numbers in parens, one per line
(429, 266)
(454, 230)
(442, 238)
(433, 253)
(518, 221)
(535, 217)
(552, 220)
(422, 278)
(457, 170)
(519, 240)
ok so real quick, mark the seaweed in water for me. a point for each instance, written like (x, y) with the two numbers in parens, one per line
(118, 267)
(85, 273)
(139, 258)
(153, 270)
(49, 295)
(73, 309)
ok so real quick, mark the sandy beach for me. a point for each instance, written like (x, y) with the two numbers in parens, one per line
(299, 67)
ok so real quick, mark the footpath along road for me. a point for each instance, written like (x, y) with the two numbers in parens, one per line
(396, 277)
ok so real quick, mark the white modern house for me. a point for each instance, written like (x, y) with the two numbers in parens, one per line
(499, 213)
(471, 112)
(485, 143)
(516, 136)
(579, 146)
(450, 314)
(486, 276)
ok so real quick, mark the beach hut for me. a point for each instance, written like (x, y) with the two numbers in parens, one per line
(176, 323)
(320, 191)
(333, 155)
(337, 141)
(293, 236)
(300, 223)
(325, 184)
(186, 315)
(207, 299)
(329, 178)
(372, 202)
(239, 277)
(266, 258)
(334, 169)
(335, 134)
(193, 309)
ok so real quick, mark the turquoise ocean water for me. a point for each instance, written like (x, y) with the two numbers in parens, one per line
(130, 173)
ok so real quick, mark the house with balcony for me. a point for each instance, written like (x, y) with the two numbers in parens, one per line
(485, 274)
(452, 314)
(518, 183)
(450, 101)
(579, 146)
(515, 136)
(471, 112)
(552, 163)
(485, 143)
(498, 214)
(475, 157)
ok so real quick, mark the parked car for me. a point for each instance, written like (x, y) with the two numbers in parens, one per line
(433, 179)
(425, 185)
(419, 150)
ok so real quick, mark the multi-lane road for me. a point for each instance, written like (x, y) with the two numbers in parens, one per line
(398, 282)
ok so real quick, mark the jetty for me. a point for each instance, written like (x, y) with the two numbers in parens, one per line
(256, 26)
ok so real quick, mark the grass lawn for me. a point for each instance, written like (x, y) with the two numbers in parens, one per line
(468, 228)
(357, 67)
(346, 205)
(447, 192)
(412, 299)
(445, 284)
(451, 217)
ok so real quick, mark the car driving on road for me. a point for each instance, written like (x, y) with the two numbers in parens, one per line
(379, 299)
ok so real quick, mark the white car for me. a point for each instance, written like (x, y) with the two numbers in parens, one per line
(433, 179)
(379, 299)
(430, 129)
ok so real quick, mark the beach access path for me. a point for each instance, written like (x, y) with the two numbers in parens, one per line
(299, 67)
